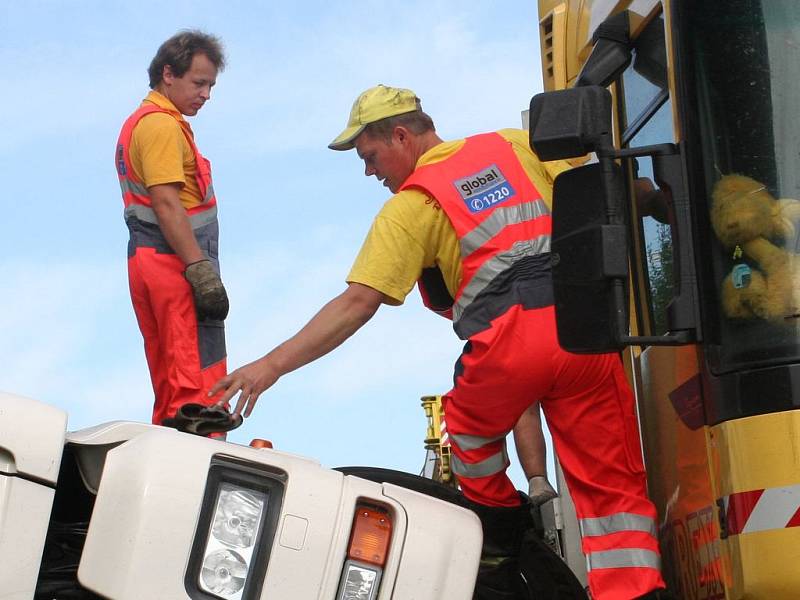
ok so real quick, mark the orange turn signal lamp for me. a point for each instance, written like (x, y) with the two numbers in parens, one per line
(371, 534)
(259, 443)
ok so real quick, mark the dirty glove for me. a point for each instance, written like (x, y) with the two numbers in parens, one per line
(540, 490)
(202, 420)
(210, 298)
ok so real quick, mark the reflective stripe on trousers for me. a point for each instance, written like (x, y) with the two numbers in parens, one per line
(495, 463)
(616, 558)
(590, 411)
(615, 523)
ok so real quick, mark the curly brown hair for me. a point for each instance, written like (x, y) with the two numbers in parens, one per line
(178, 51)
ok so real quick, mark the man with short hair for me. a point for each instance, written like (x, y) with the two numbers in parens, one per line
(171, 214)
(469, 222)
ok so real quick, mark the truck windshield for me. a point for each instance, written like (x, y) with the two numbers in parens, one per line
(745, 59)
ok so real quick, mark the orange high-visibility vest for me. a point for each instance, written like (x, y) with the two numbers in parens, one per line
(139, 215)
(503, 229)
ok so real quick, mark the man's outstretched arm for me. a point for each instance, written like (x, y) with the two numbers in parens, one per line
(333, 324)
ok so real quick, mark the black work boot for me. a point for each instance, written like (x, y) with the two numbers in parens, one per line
(503, 529)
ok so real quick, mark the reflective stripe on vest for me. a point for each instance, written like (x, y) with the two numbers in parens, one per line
(136, 197)
(209, 193)
(629, 557)
(499, 219)
(493, 267)
(617, 522)
(133, 189)
(148, 215)
(496, 463)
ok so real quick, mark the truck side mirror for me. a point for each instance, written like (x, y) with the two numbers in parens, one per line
(589, 242)
(590, 259)
(569, 123)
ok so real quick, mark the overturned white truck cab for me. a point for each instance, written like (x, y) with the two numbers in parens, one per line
(131, 511)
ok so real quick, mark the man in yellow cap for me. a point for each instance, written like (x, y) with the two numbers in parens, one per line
(469, 223)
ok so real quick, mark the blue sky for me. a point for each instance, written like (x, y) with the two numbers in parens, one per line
(293, 213)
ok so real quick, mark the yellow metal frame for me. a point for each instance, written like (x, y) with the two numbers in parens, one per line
(760, 453)
(432, 405)
(552, 37)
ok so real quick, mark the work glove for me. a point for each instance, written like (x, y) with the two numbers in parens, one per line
(202, 420)
(210, 298)
(540, 490)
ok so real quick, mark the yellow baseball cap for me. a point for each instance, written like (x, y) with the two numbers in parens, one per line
(373, 105)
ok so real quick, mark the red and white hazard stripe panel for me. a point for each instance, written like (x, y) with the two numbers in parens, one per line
(761, 510)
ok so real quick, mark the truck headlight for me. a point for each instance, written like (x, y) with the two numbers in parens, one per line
(235, 530)
(224, 573)
(237, 516)
(235, 524)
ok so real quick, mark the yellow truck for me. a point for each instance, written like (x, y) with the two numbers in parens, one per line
(678, 244)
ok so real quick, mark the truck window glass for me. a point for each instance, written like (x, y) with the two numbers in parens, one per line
(746, 82)
(646, 118)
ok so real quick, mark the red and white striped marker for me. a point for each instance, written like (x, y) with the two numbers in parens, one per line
(762, 510)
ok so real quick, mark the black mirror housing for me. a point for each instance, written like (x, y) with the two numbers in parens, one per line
(606, 63)
(589, 249)
(589, 257)
(569, 123)
(611, 53)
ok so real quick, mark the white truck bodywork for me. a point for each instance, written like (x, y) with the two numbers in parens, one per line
(149, 485)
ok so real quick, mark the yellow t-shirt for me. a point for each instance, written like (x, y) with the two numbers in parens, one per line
(160, 152)
(412, 232)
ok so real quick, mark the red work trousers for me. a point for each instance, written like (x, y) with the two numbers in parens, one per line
(185, 357)
(590, 410)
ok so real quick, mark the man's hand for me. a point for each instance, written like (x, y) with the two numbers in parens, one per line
(210, 298)
(652, 202)
(540, 490)
(251, 380)
(333, 324)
